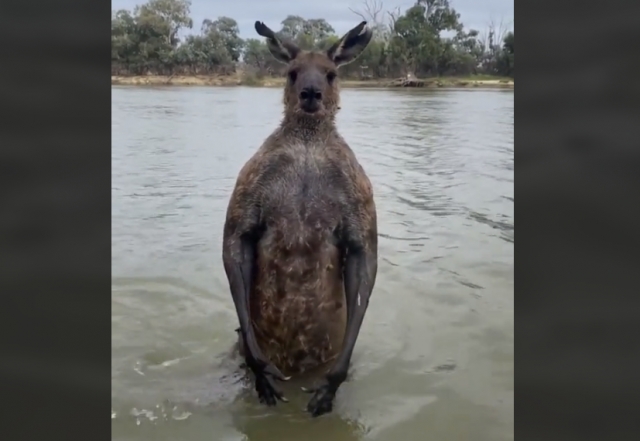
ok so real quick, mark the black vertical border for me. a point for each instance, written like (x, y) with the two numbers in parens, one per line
(55, 220)
(577, 180)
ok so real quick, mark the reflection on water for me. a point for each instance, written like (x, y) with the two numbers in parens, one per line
(434, 360)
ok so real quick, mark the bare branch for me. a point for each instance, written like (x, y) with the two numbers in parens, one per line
(358, 14)
(393, 17)
(371, 10)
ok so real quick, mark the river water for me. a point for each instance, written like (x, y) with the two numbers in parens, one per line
(435, 357)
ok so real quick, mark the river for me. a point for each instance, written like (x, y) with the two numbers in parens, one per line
(435, 357)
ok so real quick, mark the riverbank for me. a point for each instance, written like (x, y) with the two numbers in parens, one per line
(236, 80)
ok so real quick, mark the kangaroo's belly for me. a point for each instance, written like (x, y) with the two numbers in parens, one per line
(298, 305)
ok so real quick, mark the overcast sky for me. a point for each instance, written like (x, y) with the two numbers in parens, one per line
(475, 14)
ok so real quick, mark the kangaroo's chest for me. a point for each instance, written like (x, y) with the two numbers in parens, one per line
(305, 187)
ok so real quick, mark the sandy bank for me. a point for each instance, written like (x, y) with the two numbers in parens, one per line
(233, 80)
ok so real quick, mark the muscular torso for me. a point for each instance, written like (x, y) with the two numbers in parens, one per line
(297, 303)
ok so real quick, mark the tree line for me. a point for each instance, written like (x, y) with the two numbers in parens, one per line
(145, 41)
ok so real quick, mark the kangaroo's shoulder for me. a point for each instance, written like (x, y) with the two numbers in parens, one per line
(346, 158)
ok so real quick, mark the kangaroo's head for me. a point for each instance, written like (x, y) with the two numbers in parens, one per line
(312, 90)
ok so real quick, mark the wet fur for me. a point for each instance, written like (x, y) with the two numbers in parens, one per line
(302, 216)
(297, 303)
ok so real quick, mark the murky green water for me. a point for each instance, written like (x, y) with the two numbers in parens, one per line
(434, 360)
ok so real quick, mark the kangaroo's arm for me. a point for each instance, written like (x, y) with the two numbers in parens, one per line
(360, 242)
(242, 231)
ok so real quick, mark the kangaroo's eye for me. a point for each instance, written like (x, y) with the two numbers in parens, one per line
(293, 75)
(331, 76)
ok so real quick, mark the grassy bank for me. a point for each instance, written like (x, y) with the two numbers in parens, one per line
(240, 80)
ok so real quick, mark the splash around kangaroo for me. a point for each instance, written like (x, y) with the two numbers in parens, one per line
(300, 238)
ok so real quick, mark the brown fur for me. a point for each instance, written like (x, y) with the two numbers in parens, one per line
(297, 304)
(305, 63)
(305, 189)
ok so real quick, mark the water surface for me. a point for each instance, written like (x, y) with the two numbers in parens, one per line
(434, 360)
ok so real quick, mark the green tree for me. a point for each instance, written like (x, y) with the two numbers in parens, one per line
(124, 43)
(292, 27)
(505, 65)
(174, 13)
(225, 29)
(414, 43)
(256, 53)
(203, 54)
(307, 34)
(146, 41)
(440, 16)
(139, 42)
(317, 30)
(417, 40)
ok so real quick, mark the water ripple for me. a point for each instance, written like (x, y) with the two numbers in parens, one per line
(441, 163)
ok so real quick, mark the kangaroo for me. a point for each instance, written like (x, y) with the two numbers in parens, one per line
(300, 237)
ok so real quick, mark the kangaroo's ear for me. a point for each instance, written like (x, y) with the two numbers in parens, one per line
(351, 45)
(283, 51)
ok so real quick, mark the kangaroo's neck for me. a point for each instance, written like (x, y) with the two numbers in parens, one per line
(308, 128)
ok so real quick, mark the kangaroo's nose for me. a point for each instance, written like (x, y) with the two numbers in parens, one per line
(310, 93)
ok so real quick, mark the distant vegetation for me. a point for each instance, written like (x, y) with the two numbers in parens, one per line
(145, 42)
